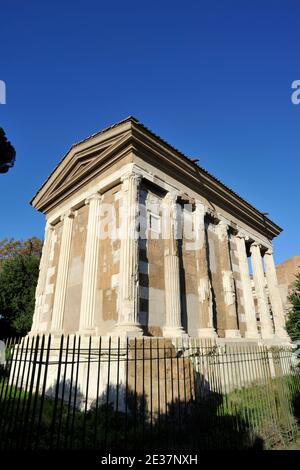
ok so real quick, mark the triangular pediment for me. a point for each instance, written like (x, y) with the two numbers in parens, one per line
(83, 160)
(78, 168)
(91, 157)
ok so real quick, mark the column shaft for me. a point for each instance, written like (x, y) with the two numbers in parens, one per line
(249, 307)
(40, 289)
(206, 327)
(259, 283)
(173, 327)
(89, 283)
(62, 274)
(275, 299)
(128, 324)
(231, 321)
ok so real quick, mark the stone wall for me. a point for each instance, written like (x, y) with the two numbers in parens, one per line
(189, 284)
(216, 276)
(151, 264)
(238, 287)
(52, 274)
(286, 272)
(108, 265)
(156, 373)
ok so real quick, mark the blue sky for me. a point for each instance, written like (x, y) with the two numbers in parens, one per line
(211, 77)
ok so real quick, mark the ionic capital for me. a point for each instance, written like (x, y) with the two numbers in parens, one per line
(49, 227)
(240, 235)
(96, 196)
(202, 207)
(222, 225)
(255, 245)
(211, 212)
(69, 214)
(243, 235)
(130, 177)
(171, 198)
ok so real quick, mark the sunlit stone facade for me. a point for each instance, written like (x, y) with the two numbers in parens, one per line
(140, 240)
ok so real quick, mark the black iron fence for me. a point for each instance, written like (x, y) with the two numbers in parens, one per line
(109, 393)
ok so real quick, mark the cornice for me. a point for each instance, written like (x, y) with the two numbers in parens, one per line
(111, 155)
(190, 174)
(109, 146)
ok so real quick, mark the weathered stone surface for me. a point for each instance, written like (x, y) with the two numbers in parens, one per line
(168, 280)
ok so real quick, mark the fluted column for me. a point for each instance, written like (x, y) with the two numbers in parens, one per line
(128, 323)
(62, 274)
(173, 326)
(231, 321)
(89, 282)
(274, 295)
(40, 289)
(249, 307)
(206, 327)
(260, 291)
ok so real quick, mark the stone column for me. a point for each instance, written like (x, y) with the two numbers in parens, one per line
(231, 322)
(89, 282)
(62, 274)
(128, 324)
(259, 284)
(206, 328)
(274, 295)
(41, 285)
(173, 326)
(250, 314)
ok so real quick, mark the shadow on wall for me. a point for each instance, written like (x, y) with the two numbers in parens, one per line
(122, 419)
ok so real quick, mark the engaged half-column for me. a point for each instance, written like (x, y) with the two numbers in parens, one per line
(249, 307)
(62, 274)
(260, 291)
(128, 323)
(206, 328)
(274, 295)
(173, 326)
(89, 283)
(229, 294)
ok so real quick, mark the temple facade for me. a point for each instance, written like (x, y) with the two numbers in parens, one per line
(140, 240)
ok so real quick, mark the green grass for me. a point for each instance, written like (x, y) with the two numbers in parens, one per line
(268, 409)
(259, 416)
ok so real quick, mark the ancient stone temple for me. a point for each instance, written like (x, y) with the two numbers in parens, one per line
(140, 240)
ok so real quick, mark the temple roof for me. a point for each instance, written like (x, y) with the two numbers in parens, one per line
(129, 127)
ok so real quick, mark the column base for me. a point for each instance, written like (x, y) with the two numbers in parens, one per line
(267, 335)
(57, 333)
(206, 333)
(127, 330)
(281, 333)
(33, 333)
(174, 332)
(87, 332)
(252, 335)
(232, 334)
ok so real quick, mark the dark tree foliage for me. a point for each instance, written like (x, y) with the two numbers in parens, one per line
(10, 247)
(7, 153)
(19, 270)
(293, 323)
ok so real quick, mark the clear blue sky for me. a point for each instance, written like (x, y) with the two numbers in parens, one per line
(211, 77)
